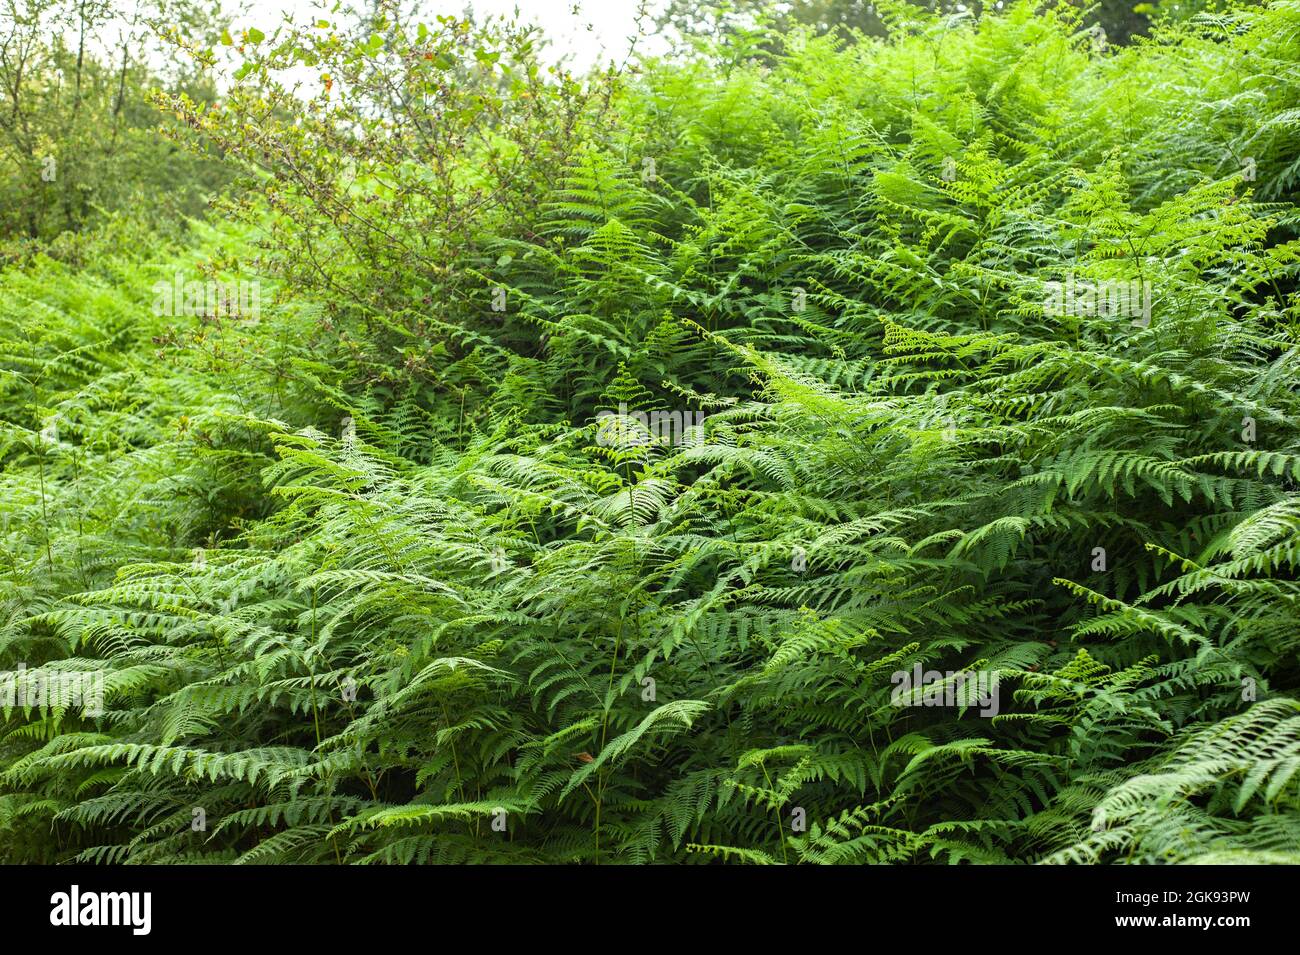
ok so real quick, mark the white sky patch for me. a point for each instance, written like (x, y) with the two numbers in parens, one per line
(589, 32)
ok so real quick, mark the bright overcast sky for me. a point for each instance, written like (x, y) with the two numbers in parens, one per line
(597, 31)
(588, 32)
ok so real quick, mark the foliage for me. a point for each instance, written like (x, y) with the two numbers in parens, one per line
(1121, 20)
(448, 609)
(78, 140)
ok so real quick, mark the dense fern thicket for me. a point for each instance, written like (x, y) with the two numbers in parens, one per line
(371, 591)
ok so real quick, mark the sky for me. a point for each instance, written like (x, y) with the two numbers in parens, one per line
(596, 32)
(588, 32)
